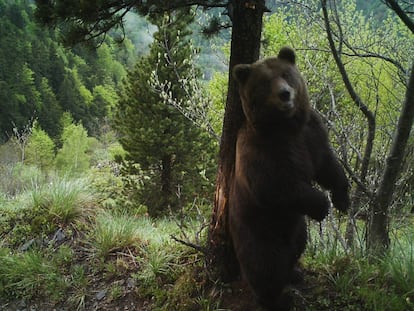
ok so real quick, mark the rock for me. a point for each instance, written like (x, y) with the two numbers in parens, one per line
(131, 283)
(59, 236)
(101, 294)
(27, 245)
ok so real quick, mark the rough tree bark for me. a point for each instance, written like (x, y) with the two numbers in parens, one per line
(245, 48)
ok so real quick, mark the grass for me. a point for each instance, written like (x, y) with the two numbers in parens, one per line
(64, 199)
(29, 274)
(113, 232)
(79, 284)
(41, 210)
(104, 247)
(352, 281)
(398, 265)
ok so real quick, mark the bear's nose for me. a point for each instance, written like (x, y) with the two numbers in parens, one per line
(284, 95)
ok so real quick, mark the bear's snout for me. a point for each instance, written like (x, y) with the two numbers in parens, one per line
(284, 95)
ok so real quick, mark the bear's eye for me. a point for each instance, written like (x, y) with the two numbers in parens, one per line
(286, 76)
(290, 79)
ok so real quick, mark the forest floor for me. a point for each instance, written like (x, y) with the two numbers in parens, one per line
(63, 248)
(120, 290)
(234, 297)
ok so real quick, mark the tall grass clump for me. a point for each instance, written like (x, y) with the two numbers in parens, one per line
(43, 207)
(64, 199)
(157, 263)
(28, 275)
(113, 232)
(398, 264)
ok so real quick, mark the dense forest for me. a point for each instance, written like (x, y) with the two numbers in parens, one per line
(41, 79)
(115, 135)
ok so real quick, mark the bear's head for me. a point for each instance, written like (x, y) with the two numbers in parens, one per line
(273, 92)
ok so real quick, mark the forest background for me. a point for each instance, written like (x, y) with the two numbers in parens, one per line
(106, 152)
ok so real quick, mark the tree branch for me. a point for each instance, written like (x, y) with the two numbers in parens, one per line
(199, 248)
(356, 99)
(401, 14)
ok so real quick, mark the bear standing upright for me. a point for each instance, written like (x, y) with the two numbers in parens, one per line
(281, 150)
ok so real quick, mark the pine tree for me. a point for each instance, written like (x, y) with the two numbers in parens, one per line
(169, 148)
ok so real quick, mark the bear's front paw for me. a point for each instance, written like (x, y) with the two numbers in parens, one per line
(319, 209)
(340, 202)
(320, 213)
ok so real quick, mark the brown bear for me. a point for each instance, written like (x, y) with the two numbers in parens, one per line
(282, 149)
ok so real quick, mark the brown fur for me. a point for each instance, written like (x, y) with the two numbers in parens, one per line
(281, 150)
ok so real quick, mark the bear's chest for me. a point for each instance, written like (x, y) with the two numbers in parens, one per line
(274, 159)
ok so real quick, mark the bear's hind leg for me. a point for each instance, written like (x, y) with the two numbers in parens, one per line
(268, 272)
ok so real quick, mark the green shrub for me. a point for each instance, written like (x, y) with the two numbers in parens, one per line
(40, 149)
(73, 158)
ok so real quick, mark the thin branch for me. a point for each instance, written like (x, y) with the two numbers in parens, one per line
(199, 248)
(401, 14)
(368, 54)
(337, 232)
(355, 97)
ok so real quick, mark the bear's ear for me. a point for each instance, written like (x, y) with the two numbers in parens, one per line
(287, 54)
(241, 73)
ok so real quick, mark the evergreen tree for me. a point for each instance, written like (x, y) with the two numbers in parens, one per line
(88, 20)
(39, 79)
(50, 110)
(170, 150)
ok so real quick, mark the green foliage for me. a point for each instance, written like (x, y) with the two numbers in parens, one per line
(217, 88)
(348, 279)
(40, 149)
(65, 200)
(398, 264)
(39, 78)
(28, 275)
(157, 264)
(43, 207)
(16, 178)
(115, 232)
(21, 222)
(73, 158)
(171, 151)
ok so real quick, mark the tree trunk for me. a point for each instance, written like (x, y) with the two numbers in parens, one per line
(245, 48)
(378, 238)
(166, 172)
(370, 117)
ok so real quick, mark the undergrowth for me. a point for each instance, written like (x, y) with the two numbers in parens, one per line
(59, 245)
